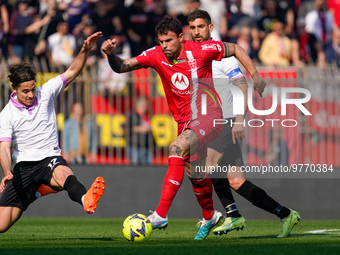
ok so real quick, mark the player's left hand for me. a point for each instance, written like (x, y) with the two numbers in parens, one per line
(237, 132)
(259, 84)
(91, 41)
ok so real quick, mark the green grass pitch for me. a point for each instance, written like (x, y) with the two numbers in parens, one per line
(97, 236)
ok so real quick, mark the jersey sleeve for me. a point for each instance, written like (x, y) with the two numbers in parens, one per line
(147, 58)
(54, 86)
(5, 126)
(213, 50)
(231, 68)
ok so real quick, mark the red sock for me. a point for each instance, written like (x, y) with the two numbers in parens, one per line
(172, 181)
(203, 190)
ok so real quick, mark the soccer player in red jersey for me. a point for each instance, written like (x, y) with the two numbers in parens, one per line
(185, 69)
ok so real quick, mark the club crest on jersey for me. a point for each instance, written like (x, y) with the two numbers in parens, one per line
(180, 81)
(192, 64)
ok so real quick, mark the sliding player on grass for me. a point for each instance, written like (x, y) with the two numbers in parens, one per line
(28, 124)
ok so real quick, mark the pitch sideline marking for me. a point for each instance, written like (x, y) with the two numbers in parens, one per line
(319, 231)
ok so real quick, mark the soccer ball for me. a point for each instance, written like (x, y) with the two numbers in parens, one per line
(137, 227)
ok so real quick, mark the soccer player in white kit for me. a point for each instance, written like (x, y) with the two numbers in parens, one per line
(28, 124)
(226, 150)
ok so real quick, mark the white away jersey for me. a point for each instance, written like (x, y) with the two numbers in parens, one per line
(33, 130)
(224, 72)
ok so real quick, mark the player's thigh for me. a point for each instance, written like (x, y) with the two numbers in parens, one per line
(60, 175)
(8, 216)
(184, 143)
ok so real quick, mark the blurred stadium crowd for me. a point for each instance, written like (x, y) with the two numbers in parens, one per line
(273, 32)
(105, 118)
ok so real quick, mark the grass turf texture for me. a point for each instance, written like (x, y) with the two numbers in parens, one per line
(49, 236)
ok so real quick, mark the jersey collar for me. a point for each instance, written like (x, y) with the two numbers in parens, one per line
(18, 105)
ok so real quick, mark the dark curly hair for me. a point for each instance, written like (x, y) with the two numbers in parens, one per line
(169, 23)
(19, 73)
(199, 14)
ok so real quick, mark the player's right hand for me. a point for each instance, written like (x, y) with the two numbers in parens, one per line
(259, 85)
(4, 181)
(109, 46)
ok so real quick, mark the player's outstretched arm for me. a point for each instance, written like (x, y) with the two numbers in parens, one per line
(5, 160)
(79, 62)
(117, 64)
(231, 49)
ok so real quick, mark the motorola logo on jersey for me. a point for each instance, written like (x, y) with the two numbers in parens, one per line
(180, 81)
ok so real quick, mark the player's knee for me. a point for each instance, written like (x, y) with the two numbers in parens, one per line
(3, 228)
(236, 183)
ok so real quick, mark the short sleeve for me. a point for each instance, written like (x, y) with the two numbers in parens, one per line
(147, 58)
(5, 126)
(213, 50)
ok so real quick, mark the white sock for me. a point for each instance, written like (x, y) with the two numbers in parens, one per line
(82, 199)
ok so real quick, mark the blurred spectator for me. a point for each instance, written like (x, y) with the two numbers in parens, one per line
(139, 131)
(78, 12)
(286, 12)
(137, 27)
(245, 41)
(32, 34)
(332, 49)
(237, 20)
(218, 12)
(251, 7)
(276, 47)
(89, 29)
(320, 22)
(109, 81)
(4, 27)
(106, 17)
(334, 9)
(174, 6)
(277, 153)
(155, 16)
(310, 50)
(77, 137)
(61, 45)
(20, 19)
(189, 6)
(305, 7)
(269, 18)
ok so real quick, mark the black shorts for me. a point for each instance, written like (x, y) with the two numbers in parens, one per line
(232, 154)
(28, 176)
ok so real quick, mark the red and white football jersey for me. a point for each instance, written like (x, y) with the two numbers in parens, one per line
(187, 80)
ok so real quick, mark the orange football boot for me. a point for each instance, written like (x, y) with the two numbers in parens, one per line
(93, 195)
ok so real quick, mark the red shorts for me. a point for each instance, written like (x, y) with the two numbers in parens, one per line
(203, 126)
